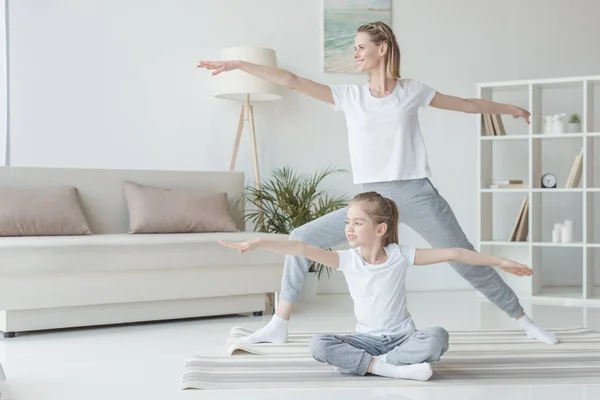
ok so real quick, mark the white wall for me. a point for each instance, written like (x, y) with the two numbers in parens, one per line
(113, 83)
(3, 86)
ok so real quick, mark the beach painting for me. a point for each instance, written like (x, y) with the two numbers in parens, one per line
(341, 18)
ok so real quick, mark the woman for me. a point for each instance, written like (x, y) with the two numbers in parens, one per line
(388, 156)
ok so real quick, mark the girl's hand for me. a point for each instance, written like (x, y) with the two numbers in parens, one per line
(243, 247)
(218, 66)
(520, 113)
(515, 268)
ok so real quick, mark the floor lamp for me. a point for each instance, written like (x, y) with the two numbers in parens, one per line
(246, 89)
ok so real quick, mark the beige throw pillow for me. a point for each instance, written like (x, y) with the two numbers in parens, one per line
(157, 210)
(41, 212)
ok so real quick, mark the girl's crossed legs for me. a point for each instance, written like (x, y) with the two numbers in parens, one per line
(404, 355)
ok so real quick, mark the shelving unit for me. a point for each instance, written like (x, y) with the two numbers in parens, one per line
(563, 272)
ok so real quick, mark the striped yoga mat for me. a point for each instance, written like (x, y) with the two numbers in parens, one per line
(474, 358)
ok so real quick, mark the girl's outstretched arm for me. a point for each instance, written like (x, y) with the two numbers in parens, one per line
(477, 106)
(278, 76)
(434, 256)
(288, 247)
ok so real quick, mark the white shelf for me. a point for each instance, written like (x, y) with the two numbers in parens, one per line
(502, 243)
(541, 136)
(526, 82)
(560, 136)
(516, 190)
(575, 292)
(565, 272)
(505, 137)
(558, 190)
(539, 190)
(551, 244)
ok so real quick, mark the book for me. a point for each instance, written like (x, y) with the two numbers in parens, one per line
(487, 123)
(509, 186)
(523, 229)
(576, 169)
(514, 233)
(507, 181)
(498, 125)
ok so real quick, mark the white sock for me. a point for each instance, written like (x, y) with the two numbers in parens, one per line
(276, 331)
(535, 332)
(417, 372)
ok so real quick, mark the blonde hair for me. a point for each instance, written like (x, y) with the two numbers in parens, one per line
(382, 211)
(380, 33)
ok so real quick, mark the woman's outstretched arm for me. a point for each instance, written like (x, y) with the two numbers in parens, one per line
(477, 106)
(278, 76)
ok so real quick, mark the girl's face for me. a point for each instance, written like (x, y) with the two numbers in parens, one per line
(360, 229)
(366, 53)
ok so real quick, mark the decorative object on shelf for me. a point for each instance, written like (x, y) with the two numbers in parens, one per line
(559, 123)
(566, 232)
(563, 232)
(549, 180)
(340, 20)
(555, 124)
(547, 124)
(556, 233)
(574, 125)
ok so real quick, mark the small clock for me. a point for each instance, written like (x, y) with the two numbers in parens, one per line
(549, 180)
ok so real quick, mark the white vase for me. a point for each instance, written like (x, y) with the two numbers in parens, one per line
(556, 233)
(559, 123)
(574, 127)
(547, 124)
(566, 232)
(309, 289)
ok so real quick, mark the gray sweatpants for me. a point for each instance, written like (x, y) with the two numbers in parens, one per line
(423, 209)
(352, 354)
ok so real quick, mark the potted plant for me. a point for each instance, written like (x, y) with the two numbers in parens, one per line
(289, 200)
(574, 124)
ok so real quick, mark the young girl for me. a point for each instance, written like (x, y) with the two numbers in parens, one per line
(388, 156)
(386, 341)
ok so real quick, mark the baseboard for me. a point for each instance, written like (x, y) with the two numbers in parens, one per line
(110, 314)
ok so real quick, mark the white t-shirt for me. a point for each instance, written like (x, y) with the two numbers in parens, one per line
(384, 135)
(378, 291)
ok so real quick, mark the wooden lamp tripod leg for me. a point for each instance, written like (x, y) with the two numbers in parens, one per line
(238, 137)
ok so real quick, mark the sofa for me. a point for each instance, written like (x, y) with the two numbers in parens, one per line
(110, 275)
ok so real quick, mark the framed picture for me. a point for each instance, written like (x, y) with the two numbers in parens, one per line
(341, 18)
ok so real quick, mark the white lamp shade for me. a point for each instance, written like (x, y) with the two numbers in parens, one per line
(237, 85)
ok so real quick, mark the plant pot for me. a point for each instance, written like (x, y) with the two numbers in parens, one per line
(309, 289)
(574, 127)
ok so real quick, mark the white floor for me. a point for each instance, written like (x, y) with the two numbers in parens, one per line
(145, 361)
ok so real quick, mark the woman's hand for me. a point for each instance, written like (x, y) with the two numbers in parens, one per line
(243, 247)
(518, 112)
(515, 268)
(219, 66)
